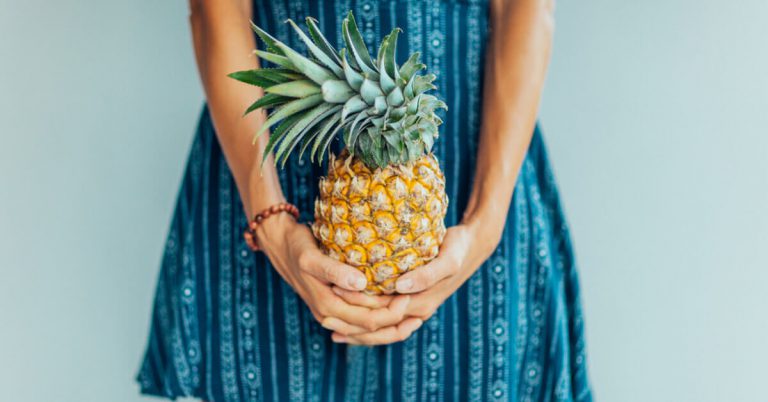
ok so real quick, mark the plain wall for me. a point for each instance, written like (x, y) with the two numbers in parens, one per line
(655, 112)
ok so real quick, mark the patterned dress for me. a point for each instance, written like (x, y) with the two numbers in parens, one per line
(226, 328)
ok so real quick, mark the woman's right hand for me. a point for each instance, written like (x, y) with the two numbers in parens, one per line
(293, 251)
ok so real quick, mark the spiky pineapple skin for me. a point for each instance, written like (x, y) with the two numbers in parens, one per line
(384, 222)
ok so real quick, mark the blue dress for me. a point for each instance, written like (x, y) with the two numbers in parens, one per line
(226, 327)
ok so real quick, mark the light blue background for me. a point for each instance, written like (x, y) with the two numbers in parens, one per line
(656, 114)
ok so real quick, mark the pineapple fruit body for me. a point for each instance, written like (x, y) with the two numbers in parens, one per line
(385, 221)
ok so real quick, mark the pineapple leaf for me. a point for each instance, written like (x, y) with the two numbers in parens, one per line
(378, 149)
(423, 83)
(307, 140)
(327, 142)
(320, 40)
(396, 114)
(411, 66)
(358, 125)
(317, 52)
(394, 139)
(369, 90)
(413, 105)
(290, 109)
(379, 105)
(294, 89)
(268, 40)
(281, 61)
(336, 91)
(299, 130)
(306, 66)
(289, 74)
(356, 45)
(278, 75)
(326, 130)
(390, 66)
(353, 105)
(363, 147)
(428, 139)
(408, 90)
(278, 133)
(392, 153)
(415, 149)
(395, 98)
(266, 101)
(380, 53)
(354, 78)
(253, 77)
(385, 81)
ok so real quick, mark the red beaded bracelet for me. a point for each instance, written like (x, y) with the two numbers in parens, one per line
(250, 233)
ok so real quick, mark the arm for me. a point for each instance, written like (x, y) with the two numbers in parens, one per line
(223, 44)
(517, 59)
(518, 56)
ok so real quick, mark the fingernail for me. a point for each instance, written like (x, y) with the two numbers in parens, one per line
(336, 290)
(357, 282)
(404, 285)
(326, 323)
(339, 338)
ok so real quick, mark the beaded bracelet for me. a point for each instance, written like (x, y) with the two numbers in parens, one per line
(250, 232)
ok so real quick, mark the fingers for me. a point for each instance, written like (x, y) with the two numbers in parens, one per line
(362, 299)
(369, 319)
(338, 326)
(427, 276)
(384, 336)
(329, 270)
(324, 303)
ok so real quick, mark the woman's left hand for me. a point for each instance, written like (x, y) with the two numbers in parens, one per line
(464, 249)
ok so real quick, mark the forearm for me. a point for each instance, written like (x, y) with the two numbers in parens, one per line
(517, 59)
(224, 44)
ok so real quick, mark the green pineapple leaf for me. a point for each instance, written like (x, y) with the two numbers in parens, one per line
(306, 66)
(254, 77)
(278, 133)
(328, 130)
(390, 66)
(320, 40)
(294, 89)
(354, 78)
(411, 66)
(356, 44)
(289, 109)
(337, 91)
(267, 101)
(307, 122)
(327, 61)
(276, 59)
(268, 40)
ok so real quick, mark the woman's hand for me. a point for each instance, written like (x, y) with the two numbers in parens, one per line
(292, 249)
(464, 249)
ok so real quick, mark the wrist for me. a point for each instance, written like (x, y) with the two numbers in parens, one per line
(263, 189)
(274, 230)
(485, 232)
(270, 223)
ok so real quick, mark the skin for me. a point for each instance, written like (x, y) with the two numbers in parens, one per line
(517, 58)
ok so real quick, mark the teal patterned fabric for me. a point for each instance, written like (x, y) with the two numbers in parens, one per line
(226, 327)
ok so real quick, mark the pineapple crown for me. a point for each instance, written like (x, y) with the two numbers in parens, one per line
(382, 108)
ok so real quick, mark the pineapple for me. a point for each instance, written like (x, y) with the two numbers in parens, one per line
(382, 205)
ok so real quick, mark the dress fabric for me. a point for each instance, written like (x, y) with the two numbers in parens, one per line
(226, 327)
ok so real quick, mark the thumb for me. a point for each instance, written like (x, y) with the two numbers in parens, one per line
(342, 275)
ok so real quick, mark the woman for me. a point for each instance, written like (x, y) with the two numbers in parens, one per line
(495, 316)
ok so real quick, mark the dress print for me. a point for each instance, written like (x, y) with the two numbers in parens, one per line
(225, 327)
